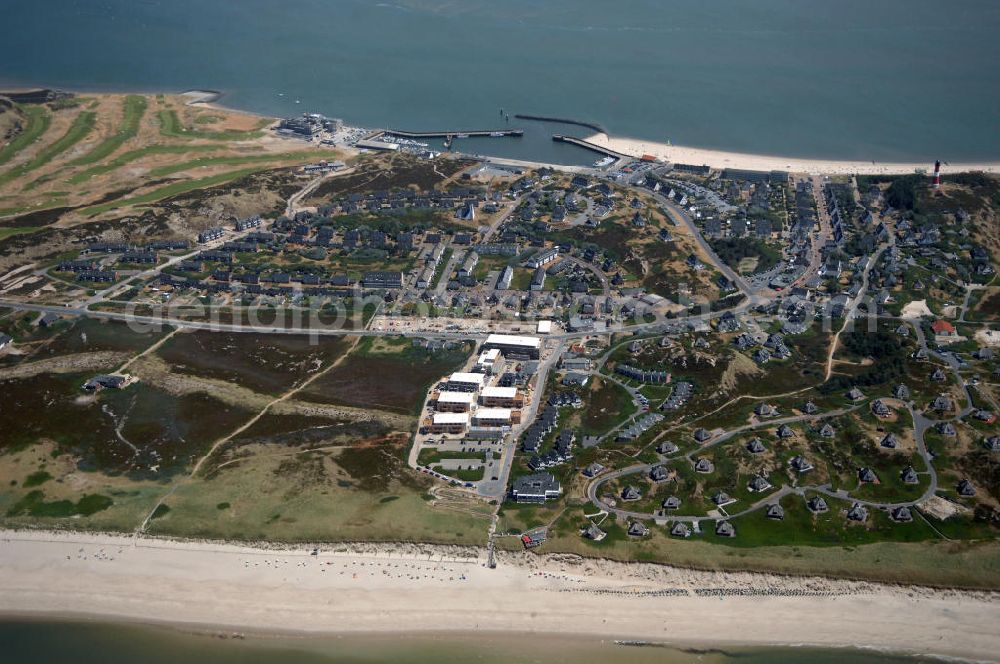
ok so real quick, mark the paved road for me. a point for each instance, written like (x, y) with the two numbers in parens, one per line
(498, 488)
(719, 264)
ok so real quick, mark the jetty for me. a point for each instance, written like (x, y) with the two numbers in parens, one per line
(593, 147)
(453, 133)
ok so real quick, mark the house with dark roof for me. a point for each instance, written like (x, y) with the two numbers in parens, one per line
(592, 532)
(659, 474)
(880, 409)
(666, 447)
(800, 465)
(867, 475)
(857, 513)
(785, 431)
(680, 529)
(637, 529)
(901, 514)
(756, 446)
(946, 429)
(966, 489)
(817, 505)
(704, 466)
(671, 503)
(701, 435)
(758, 484)
(775, 511)
(889, 441)
(721, 499)
(630, 493)
(725, 529)
(827, 431)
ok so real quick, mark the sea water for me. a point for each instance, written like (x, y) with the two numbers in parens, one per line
(907, 80)
(29, 641)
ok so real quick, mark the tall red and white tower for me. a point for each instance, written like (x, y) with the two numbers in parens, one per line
(937, 174)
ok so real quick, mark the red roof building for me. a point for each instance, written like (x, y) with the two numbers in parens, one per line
(943, 327)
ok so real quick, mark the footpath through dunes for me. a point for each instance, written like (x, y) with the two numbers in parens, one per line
(412, 588)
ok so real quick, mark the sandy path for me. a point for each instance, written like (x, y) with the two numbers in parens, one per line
(410, 588)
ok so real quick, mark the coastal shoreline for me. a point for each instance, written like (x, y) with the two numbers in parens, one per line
(720, 159)
(635, 147)
(400, 589)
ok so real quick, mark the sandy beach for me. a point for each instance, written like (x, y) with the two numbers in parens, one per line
(719, 159)
(410, 588)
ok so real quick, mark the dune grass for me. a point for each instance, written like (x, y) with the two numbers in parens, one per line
(134, 155)
(171, 126)
(173, 189)
(133, 108)
(37, 120)
(202, 162)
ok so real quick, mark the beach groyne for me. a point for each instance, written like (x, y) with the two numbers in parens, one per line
(569, 121)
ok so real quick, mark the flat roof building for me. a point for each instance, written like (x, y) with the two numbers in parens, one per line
(449, 423)
(492, 417)
(454, 402)
(535, 488)
(500, 397)
(518, 347)
(487, 361)
(465, 382)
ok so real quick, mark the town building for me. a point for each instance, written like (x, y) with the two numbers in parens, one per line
(501, 397)
(452, 423)
(454, 402)
(535, 488)
(515, 347)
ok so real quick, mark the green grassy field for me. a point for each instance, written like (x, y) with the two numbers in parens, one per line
(8, 232)
(170, 125)
(133, 109)
(927, 562)
(37, 121)
(82, 125)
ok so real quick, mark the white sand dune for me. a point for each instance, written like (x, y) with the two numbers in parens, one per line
(354, 588)
(719, 159)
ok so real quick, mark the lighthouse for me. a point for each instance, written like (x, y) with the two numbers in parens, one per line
(937, 174)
